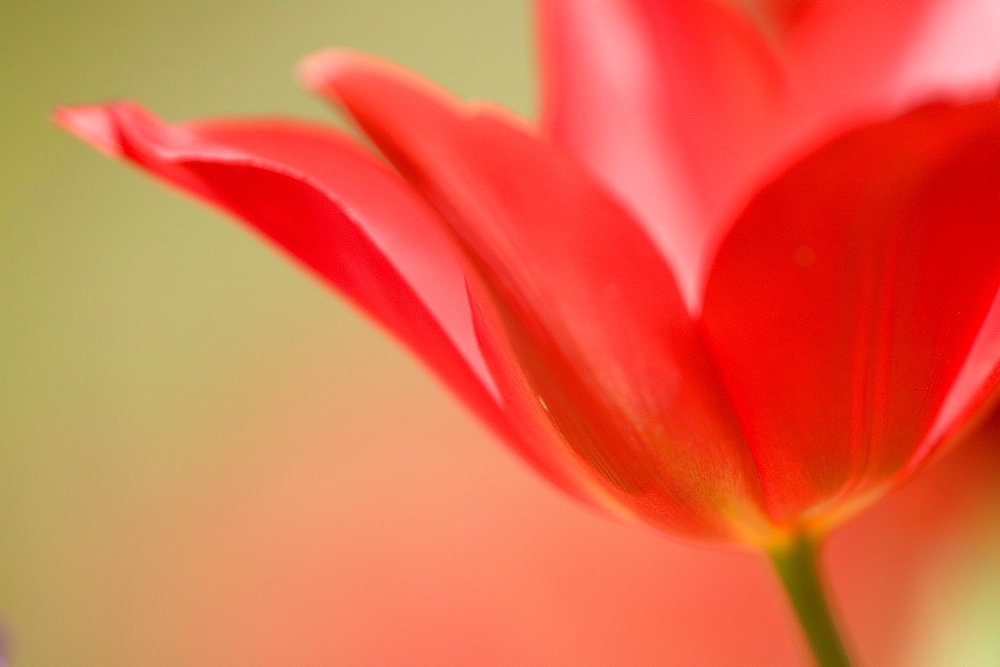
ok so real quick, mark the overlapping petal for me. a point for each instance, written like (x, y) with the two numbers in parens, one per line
(845, 301)
(687, 107)
(585, 301)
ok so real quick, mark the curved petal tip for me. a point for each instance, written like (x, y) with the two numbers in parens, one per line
(340, 74)
(93, 124)
(319, 71)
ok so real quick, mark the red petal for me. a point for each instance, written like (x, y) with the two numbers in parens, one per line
(586, 303)
(844, 302)
(326, 203)
(666, 101)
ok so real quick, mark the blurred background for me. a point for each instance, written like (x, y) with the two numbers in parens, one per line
(207, 459)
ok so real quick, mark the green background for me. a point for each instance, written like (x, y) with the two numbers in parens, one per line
(205, 458)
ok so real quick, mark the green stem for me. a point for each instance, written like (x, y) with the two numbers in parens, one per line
(796, 562)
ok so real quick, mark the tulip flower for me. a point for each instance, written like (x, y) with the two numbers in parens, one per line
(740, 282)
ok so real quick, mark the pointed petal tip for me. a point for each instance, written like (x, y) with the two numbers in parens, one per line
(315, 70)
(92, 123)
(340, 74)
(321, 71)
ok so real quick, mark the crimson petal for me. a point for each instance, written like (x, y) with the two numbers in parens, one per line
(843, 304)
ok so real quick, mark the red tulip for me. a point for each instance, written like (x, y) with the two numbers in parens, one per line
(742, 282)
